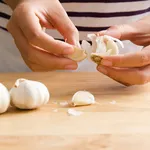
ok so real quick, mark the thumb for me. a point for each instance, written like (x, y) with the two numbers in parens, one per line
(64, 25)
(128, 31)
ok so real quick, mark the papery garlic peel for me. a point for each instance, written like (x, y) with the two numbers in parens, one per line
(4, 98)
(28, 94)
(73, 112)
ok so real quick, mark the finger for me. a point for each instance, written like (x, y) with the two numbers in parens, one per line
(122, 32)
(50, 62)
(64, 25)
(32, 30)
(44, 22)
(39, 57)
(136, 76)
(129, 31)
(138, 59)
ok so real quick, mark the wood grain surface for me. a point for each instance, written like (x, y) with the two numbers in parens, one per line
(118, 121)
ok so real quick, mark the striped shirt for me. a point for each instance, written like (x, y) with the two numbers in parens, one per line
(93, 15)
(96, 15)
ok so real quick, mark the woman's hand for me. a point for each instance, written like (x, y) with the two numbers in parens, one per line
(131, 68)
(40, 51)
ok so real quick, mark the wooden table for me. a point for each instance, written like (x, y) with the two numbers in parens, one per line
(106, 125)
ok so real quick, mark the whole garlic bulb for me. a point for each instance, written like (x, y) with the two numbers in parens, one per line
(82, 98)
(4, 98)
(28, 94)
(101, 46)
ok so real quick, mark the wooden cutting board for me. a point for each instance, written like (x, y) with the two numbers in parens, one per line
(120, 120)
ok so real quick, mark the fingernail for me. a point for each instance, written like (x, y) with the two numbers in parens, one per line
(102, 69)
(68, 51)
(71, 67)
(106, 63)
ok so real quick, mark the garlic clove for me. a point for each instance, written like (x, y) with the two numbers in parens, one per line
(78, 55)
(17, 83)
(110, 44)
(82, 98)
(28, 94)
(96, 58)
(4, 98)
(114, 39)
(113, 47)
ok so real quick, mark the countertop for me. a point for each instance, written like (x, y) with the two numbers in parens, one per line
(119, 120)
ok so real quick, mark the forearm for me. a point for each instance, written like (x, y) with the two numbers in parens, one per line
(12, 3)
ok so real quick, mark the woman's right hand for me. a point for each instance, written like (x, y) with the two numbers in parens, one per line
(40, 51)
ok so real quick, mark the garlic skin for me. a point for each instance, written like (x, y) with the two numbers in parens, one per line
(87, 46)
(4, 98)
(101, 46)
(78, 55)
(28, 94)
(82, 98)
(73, 112)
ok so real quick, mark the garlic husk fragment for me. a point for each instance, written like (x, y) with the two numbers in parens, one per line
(63, 103)
(87, 46)
(82, 98)
(4, 98)
(78, 55)
(28, 94)
(73, 112)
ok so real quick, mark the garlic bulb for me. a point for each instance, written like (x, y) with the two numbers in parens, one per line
(78, 55)
(82, 98)
(28, 94)
(4, 98)
(101, 46)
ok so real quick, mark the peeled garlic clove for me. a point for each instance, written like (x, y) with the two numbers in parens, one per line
(114, 48)
(28, 94)
(78, 55)
(111, 45)
(4, 98)
(82, 98)
(114, 39)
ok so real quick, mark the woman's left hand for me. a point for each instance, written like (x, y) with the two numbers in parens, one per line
(131, 68)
